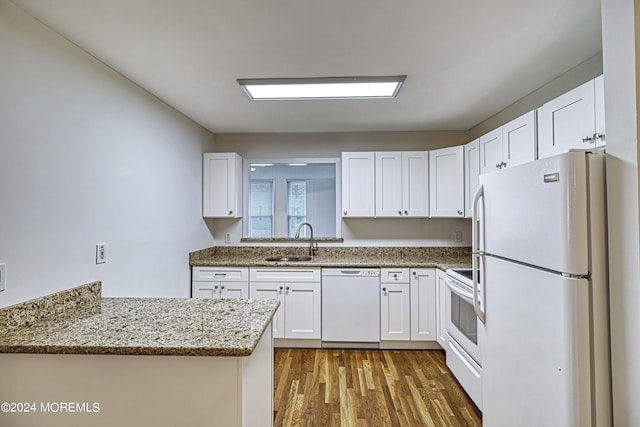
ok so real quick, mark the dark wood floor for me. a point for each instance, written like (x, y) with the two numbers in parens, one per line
(368, 388)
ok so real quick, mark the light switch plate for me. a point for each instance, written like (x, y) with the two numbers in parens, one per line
(457, 236)
(101, 253)
(3, 277)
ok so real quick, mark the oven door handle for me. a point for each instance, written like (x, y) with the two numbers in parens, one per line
(459, 290)
(476, 253)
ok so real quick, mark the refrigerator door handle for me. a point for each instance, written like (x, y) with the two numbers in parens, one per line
(476, 253)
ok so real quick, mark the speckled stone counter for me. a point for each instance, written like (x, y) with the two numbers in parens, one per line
(418, 257)
(136, 326)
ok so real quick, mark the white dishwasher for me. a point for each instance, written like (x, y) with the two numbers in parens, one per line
(351, 307)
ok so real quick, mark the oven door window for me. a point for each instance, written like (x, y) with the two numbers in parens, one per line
(463, 318)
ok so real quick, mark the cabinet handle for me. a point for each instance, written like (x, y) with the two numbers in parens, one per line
(503, 165)
(399, 212)
(459, 212)
(288, 288)
(281, 288)
(215, 287)
(406, 213)
(587, 139)
(345, 213)
(395, 276)
(222, 287)
(384, 289)
(598, 135)
(498, 165)
(230, 212)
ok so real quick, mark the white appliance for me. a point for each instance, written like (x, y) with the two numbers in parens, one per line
(351, 307)
(464, 337)
(540, 245)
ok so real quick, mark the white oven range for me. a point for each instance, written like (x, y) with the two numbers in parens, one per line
(464, 333)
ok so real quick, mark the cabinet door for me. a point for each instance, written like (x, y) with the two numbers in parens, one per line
(491, 151)
(395, 315)
(222, 185)
(234, 290)
(358, 180)
(423, 304)
(600, 137)
(205, 289)
(388, 184)
(446, 182)
(271, 290)
(519, 140)
(415, 183)
(302, 315)
(441, 319)
(566, 120)
(471, 175)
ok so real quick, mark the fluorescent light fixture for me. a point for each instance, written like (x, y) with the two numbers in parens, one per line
(260, 165)
(322, 88)
(297, 164)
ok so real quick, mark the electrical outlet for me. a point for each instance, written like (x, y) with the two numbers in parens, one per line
(3, 277)
(457, 236)
(101, 253)
(227, 238)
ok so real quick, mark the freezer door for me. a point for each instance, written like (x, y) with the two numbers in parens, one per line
(536, 348)
(537, 213)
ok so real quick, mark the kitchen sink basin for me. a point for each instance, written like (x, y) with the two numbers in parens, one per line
(289, 258)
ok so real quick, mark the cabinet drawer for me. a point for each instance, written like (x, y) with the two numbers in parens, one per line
(394, 275)
(217, 274)
(284, 274)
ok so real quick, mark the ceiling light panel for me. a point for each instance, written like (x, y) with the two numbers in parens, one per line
(322, 88)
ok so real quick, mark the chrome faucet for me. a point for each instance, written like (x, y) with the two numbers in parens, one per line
(313, 245)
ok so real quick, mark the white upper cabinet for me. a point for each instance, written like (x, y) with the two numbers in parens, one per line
(415, 183)
(490, 151)
(388, 183)
(509, 145)
(358, 180)
(402, 184)
(519, 140)
(471, 175)
(446, 182)
(573, 120)
(222, 185)
(600, 138)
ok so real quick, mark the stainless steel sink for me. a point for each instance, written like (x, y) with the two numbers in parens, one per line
(289, 258)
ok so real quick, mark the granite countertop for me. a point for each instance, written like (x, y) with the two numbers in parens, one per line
(146, 326)
(432, 257)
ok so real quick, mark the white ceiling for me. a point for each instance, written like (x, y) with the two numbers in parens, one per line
(465, 60)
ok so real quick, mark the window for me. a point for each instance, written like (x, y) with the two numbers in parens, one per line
(261, 208)
(296, 206)
(282, 194)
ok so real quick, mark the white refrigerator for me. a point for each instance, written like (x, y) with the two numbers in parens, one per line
(539, 242)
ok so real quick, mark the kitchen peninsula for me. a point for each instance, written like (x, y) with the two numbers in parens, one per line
(75, 358)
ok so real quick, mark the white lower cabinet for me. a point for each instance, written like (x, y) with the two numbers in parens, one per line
(423, 304)
(395, 315)
(408, 304)
(269, 290)
(441, 301)
(220, 282)
(298, 291)
(395, 305)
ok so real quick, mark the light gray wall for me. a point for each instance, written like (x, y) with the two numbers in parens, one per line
(88, 157)
(621, 59)
(355, 231)
(581, 73)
